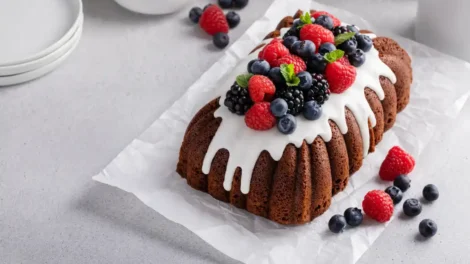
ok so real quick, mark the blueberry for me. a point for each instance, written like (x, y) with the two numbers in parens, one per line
(225, 3)
(260, 67)
(427, 228)
(279, 107)
(430, 192)
(293, 31)
(304, 49)
(195, 14)
(221, 40)
(364, 42)
(276, 76)
(305, 80)
(287, 124)
(349, 46)
(250, 64)
(357, 58)
(206, 7)
(312, 110)
(233, 19)
(353, 28)
(288, 41)
(353, 216)
(337, 223)
(317, 64)
(297, 23)
(325, 21)
(240, 3)
(326, 48)
(412, 207)
(402, 182)
(395, 193)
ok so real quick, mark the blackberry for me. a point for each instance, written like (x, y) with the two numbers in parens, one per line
(294, 98)
(237, 100)
(340, 30)
(319, 91)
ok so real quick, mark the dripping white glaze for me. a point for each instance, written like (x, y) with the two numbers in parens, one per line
(245, 145)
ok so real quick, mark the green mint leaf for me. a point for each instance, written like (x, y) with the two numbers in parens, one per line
(294, 81)
(305, 18)
(334, 56)
(242, 80)
(287, 71)
(343, 37)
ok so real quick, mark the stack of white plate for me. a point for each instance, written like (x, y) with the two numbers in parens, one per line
(36, 36)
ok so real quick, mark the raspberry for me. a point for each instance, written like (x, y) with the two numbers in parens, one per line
(378, 205)
(259, 117)
(261, 88)
(397, 162)
(336, 21)
(273, 51)
(299, 64)
(340, 75)
(213, 21)
(317, 34)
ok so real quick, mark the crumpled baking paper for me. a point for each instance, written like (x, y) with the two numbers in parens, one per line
(146, 167)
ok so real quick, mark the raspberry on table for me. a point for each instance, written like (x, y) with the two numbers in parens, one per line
(259, 117)
(396, 162)
(261, 87)
(299, 64)
(273, 51)
(378, 205)
(317, 34)
(213, 20)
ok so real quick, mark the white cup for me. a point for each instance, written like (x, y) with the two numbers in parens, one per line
(153, 7)
(444, 25)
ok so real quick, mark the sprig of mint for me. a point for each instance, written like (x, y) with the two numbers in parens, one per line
(343, 37)
(334, 56)
(242, 80)
(287, 71)
(305, 19)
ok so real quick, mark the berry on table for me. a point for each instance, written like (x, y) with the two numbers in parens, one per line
(337, 224)
(287, 124)
(240, 3)
(221, 40)
(357, 58)
(289, 41)
(378, 205)
(339, 73)
(279, 107)
(430, 192)
(319, 91)
(317, 34)
(299, 64)
(276, 76)
(326, 48)
(353, 216)
(412, 207)
(237, 100)
(261, 88)
(340, 30)
(225, 3)
(304, 49)
(233, 19)
(364, 42)
(312, 110)
(427, 228)
(259, 117)
(349, 46)
(305, 80)
(336, 21)
(324, 21)
(294, 98)
(213, 21)
(317, 64)
(195, 14)
(395, 193)
(273, 51)
(402, 182)
(259, 67)
(396, 162)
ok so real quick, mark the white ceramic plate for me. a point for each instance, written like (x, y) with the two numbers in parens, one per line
(41, 62)
(31, 29)
(31, 75)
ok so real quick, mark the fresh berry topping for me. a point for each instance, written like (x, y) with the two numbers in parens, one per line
(225, 3)
(276, 76)
(287, 124)
(427, 228)
(364, 42)
(240, 3)
(299, 64)
(273, 51)
(233, 19)
(324, 21)
(336, 21)
(250, 64)
(259, 117)
(402, 182)
(326, 48)
(337, 224)
(304, 49)
(340, 30)
(353, 28)
(319, 91)
(213, 20)
(412, 207)
(317, 64)
(207, 6)
(237, 100)
(261, 88)
(195, 14)
(353, 216)
(289, 41)
(221, 40)
(317, 34)
(395, 193)
(293, 31)
(297, 23)
(279, 107)
(294, 98)
(397, 162)
(430, 192)
(305, 80)
(312, 110)
(349, 46)
(378, 205)
(259, 67)
(340, 75)
(357, 58)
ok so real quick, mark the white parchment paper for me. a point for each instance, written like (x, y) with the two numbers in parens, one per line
(147, 166)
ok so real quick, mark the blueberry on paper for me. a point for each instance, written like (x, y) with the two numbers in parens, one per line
(221, 40)
(353, 216)
(427, 228)
(430, 192)
(395, 193)
(412, 207)
(337, 224)
(402, 182)
(225, 3)
(195, 14)
(233, 19)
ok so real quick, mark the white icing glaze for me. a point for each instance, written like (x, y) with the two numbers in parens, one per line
(245, 144)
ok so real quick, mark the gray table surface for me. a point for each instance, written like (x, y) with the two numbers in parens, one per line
(58, 131)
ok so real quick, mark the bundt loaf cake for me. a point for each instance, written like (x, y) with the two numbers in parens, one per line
(288, 132)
